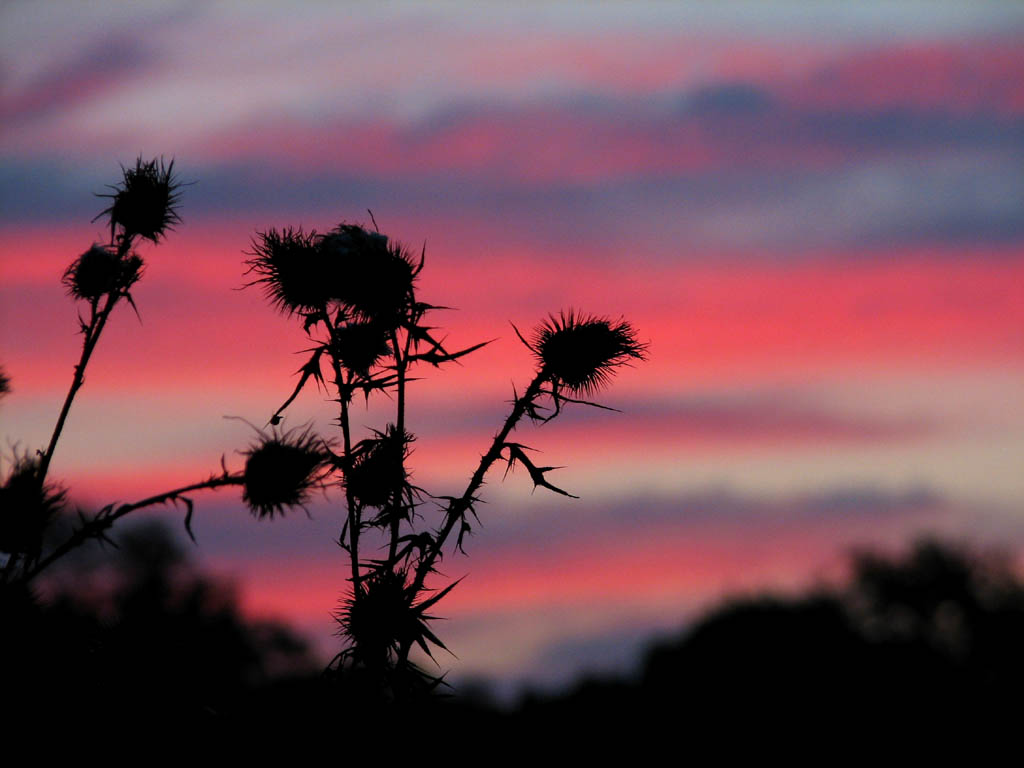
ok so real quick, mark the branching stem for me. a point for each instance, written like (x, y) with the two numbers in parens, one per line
(97, 322)
(104, 519)
(457, 508)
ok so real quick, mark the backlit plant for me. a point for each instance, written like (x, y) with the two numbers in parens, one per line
(354, 290)
(143, 206)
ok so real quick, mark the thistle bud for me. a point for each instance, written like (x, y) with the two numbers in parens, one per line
(381, 616)
(292, 269)
(580, 353)
(281, 470)
(378, 472)
(145, 203)
(27, 507)
(368, 274)
(101, 271)
(360, 346)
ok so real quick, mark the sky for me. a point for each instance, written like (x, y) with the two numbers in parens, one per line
(814, 214)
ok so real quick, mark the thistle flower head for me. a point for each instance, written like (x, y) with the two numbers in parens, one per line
(281, 470)
(5, 383)
(145, 202)
(581, 352)
(100, 271)
(291, 267)
(379, 616)
(382, 616)
(370, 275)
(27, 507)
(360, 345)
(377, 473)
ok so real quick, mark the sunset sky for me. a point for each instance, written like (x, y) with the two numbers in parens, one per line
(814, 213)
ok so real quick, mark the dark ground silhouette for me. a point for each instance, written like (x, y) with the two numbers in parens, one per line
(138, 633)
(934, 637)
(936, 634)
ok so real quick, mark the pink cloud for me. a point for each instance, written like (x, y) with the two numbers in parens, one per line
(689, 558)
(951, 77)
(707, 321)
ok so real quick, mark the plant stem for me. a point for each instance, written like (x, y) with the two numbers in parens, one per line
(344, 389)
(353, 512)
(458, 507)
(102, 521)
(401, 363)
(97, 322)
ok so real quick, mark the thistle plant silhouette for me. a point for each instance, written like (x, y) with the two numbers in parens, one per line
(355, 293)
(143, 206)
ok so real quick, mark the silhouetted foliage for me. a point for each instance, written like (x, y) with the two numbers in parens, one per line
(581, 353)
(929, 637)
(281, 470)
(355, 292)
(100, 271)
(138, 633)
(143, 206)
(145, 203)
(29, 506)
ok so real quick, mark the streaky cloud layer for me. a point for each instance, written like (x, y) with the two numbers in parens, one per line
(814, 215)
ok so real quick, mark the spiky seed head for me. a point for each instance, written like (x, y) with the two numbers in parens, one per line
(581, 352)
(359, 346)
(27, 507)
(292, 270)
(370, 275)
(380, 617)
(5, 383)
(281, 470)
(377, 473)
(145, 202)
(100, 271)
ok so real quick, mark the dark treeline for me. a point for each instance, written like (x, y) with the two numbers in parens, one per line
(136, 632)
(934, 636)
(143, 635)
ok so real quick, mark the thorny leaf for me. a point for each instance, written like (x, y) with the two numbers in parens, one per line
(464, 528)
(558, 398)
(188, 516)
(437, 355)
(516, 453)
(311, 368)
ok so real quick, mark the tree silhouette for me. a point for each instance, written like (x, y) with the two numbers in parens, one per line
(928, 638)
(139, 634)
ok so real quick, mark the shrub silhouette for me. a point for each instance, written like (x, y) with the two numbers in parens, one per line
(355, 292)
(930, 636)
(139, 633)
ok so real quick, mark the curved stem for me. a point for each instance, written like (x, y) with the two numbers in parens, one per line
(105, 519)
